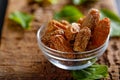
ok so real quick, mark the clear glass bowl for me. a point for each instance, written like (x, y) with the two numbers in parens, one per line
(67, 60)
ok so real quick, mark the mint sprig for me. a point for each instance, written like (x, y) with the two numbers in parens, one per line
(21, 18)
(93, 72)
(69, 13)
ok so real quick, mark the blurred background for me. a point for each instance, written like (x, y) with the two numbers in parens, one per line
(20, 57)
(118, 5)
(81, 5)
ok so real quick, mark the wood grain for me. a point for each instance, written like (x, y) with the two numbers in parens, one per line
(21, 59)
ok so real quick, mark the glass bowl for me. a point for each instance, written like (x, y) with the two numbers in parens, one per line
(70, 60)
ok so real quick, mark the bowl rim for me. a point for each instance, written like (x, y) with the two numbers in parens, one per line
(84, 52)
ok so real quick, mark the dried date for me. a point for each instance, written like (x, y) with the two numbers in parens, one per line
(100, 34)
(81, 39)
(58, 42)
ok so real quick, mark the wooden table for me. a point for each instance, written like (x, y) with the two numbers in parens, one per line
(21, 59)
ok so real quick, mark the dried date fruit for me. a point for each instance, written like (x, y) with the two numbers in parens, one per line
(92, 19)
(64, 22)
(58, 24)
(80, 21)
(81, 39)
(58, 42)
(88, 33)
(53, 27)
(71, 31)
(100, 34)
(46, 37)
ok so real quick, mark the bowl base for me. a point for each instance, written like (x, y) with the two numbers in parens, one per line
(72, 67)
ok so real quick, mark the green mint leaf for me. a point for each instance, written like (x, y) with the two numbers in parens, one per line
(78, 2)
(115, 22)
(91, 73)
(47, 1)
(21, 18)
(69, 13)
(110, 14)
(115, 29)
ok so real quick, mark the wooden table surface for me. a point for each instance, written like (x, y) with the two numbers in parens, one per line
(21, 59)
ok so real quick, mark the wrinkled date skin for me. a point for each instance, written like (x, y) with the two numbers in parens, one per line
(100, 34)
(87, 33)
(81, 39)
(58, 42)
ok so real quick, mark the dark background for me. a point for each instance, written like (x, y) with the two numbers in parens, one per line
(3, 5)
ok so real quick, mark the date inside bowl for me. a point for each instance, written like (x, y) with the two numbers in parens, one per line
(77, 45)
